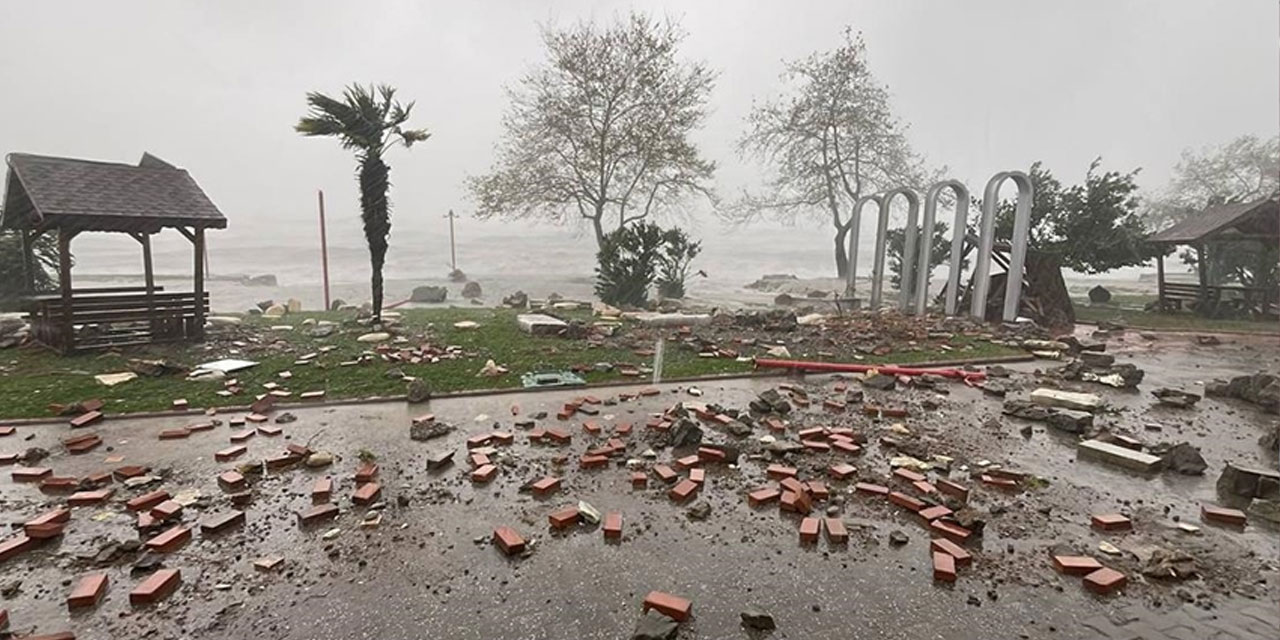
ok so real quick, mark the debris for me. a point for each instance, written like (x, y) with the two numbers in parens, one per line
(1166, 564)
(1268, 510)
(1109, 549)
(418, 391)
(1175, 398)
(471, 290)
(225, 366)
(538, 324)
(589, 513)
(113, 379)
(466, 325)
(700, 510)
(1066, 399)
(319, 459)
(377, 336)
(758, 619)
(491, 370)
(1262, 389)
(654, 626)
(422, 430)
(1117, 455)
(1183, 458)
(429, 295)
(551, 379)
(1248, 482)
(897, 538)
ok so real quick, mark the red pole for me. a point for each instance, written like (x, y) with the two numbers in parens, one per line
(324, 252)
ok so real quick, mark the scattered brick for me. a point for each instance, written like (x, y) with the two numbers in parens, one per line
(241, 436)
(29, 474)
(257, 418)
(999, 483)
(85, 419)
(683, 490)
(475, 442)
(872, 489)
(687, 462)
(57, 516)
(230, 453)
(929, 514)
(16, 545)
(816, 446)
(269, 431)
(88, 592)
(612, 525)
(366, 472)
(944, 567)
(82, 444)
(649, 391)
(545, 486)
(962, 556)
(322, 490)
(894, 413)
(281, 460)
(665, 473)
(593, 462)
(46, 531)
(1104, 581)
(166, 510)
(673, 607)
(318, 513)
(156, 587)
(537, 435)
(1076, 565)
(9, 458)
(762, 496)
(201, 426)
(367, 493)
(623, 429)
(818, 490)
(175, 434)
(59, 484)
(7, 431)
(503, 438)
(842, 471)
(98, 478)
(298, 450)
(1111, 522)
(836, 531)
(269, 563)
(508, 540)
(812, 433)
(222, 522)
(908, 475)
(559, 436)
(170, 540)
(809, 530)
(795, 502)
(775, 425)
(846, 447)
(698, 475)
(792, 485)
(924, 487)
(479, 460)
(146, 501)
(710, 454)
(564, 517)
(905, 501)
(778, 472)
(484, 474)
(1223, 515)
(957, 491)
(231, 481)
(833, 405)
(951, 531)
(241, 498)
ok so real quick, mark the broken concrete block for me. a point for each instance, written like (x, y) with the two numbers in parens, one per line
(1117, 455)
(1066, 399)
(538, 324)
(1070, 420)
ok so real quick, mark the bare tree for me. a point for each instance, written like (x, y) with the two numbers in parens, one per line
(830, 139)
(1244, 169)
(600, 132)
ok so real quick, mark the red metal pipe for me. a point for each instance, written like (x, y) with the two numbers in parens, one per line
(958, 374)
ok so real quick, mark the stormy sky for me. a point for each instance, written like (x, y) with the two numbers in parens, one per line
(985, 85)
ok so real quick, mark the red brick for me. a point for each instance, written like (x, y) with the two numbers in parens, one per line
(593, 462)
(475, 442)
(366, 472)
(623, 429)
(648, 391)
(165, 510)
(221, 522)
(29, 474)
(962, 556)
(613, 525)
(1076, 565)
(924, 487)
(46, 531)
(886, 412)
(795, 502)
(479, 460)
(6, 431)
(799, 400)
(4, 620)
(170, 540)
(846, 447)
(484, 474)
(537, 435)
(156, 587)
(200, 426)
(59, 484)
(175, 434)
(230, 453)
(687, 462)
(775, 425)
(639, 480)
(957, 491)
(592, 427)
(809, 530)
(367, 493)
(1222, 515)
(905, 501)
(1104, 581)
(683, 490)
(812, 433)
(85, 419)
(322, 490)
(929, 514)
(281, 460)
(559, 436)
(426, 418)
(908, 475)
(999, 483)
(88, 592)
(792, 485)
(508, 540)
(951, 531)
(9, 458)
(818, 447)
(698, 475)
(545, 486)
(82, 444)
(146, 501)
(98, 478)
(269, 431)
(240, 498)
(778, 472)
(833, 405)
(146, 521)
(241, 436)
(318, 513)
(817, 489)
(298, 450)
(673, 607)
(836, 531)
(872, 489)
(57, 516)
(503, 438)
(16, 545)
(841, 471)
(710, 454)
(871, 410)
(564, 517)
(944, 567)
(665, 473)
(231, 481)
(763, 495)
(1111, 522)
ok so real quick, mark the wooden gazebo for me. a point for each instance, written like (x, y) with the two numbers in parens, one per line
(68, 197)
(1228, 227)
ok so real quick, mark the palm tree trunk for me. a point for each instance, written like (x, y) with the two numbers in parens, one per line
(375, 213)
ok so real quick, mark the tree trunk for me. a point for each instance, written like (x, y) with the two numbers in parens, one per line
(598, 227)
(375, 213)
(842, 257)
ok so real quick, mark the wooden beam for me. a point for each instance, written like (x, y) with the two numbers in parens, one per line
(190, 236)
(148, 273)
(1202, 266)
(28, 262)
(1160, 279)
(198, 285)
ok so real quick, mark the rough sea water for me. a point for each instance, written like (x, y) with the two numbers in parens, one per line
(538, 260)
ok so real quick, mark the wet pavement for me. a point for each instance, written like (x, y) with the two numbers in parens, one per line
(429, 570)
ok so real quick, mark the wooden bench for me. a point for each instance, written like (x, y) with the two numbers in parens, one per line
(116, 318)
(1252, 300)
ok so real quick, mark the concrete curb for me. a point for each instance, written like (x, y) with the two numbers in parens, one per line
(474, 393)
(1201, 332)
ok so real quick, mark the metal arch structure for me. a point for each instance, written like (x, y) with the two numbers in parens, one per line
(855, 223)
(957, 243)
(908, 248)
(1018, 245)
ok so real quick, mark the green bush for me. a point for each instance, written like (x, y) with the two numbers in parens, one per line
(634, 257)
(678, 253)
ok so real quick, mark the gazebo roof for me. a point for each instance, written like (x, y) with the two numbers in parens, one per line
(86, 195)
(1257, 219)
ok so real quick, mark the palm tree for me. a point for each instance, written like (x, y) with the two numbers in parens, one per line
(369, 121)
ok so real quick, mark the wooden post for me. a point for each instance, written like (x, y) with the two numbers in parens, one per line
(1202, 266)
(28, 262)
(148, 273)
(67, 331)
(1160, 280)
(198, 244)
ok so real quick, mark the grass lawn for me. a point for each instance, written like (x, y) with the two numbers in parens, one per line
(32, 379)
(1129, 313)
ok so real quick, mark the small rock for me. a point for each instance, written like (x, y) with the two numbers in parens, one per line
(757, 618)
(700, 510)
(897, 538)
(319, 459)
(471, 290)
(377, 336)
(654, 626)
(418, 391)
(589, 513)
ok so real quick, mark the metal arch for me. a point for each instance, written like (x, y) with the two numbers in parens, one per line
(855, 223)
(908, 248)
(957, 243)
(1018, 244)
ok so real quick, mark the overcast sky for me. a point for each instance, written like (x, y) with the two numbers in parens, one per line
(986, 85)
